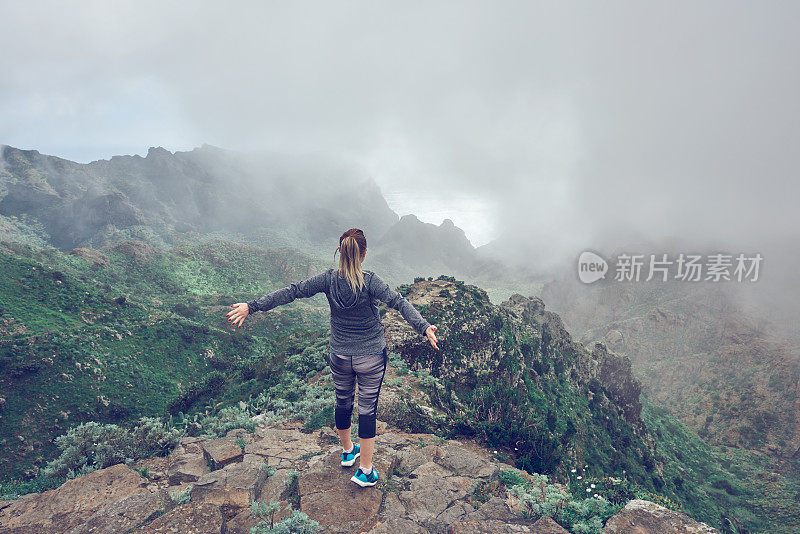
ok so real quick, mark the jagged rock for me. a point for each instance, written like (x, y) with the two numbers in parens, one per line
(274, 487)
(645, 517)
(392, 507)
(425, 486)
(465, 462)
(189, 518)
(612, 370)
(543, 525)
(280, 447)
(189, 444)
(74, 502)
(187, 468)
(615, 373)
(127, 513)
(396, 525)
(495, 508)
(232, 487)
(328, 495)
(457, 510)
(223, 451)
(188, 461)
(432, 490)
(412, 458)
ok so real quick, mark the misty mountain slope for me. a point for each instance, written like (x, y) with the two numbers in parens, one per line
(411, 247)
(717, 368)
(269, 200)
(201, 191)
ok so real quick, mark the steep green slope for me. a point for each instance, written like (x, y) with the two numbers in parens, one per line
(144, 332)
(735, 489)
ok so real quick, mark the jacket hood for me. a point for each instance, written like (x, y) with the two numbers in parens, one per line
(341, 292)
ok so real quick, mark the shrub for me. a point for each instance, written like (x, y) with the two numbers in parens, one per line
(225, 420)
(542, 499)
(297, 523)
(92, 445)
(182, 497)
(260, 509)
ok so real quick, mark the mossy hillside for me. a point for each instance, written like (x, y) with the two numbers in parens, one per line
(735, 489)
(115, 343)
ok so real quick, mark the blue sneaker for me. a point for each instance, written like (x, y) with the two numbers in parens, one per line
(365, 480)
(349, 458)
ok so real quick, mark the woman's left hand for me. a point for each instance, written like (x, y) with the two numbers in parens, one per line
(238, 313)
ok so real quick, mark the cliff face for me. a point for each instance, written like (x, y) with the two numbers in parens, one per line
(721, 372)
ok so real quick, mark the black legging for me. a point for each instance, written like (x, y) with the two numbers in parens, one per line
(369, 370)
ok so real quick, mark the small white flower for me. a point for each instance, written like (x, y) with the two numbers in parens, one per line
(592, 486)
(579, 477)
(573, 470)
(596, 496)
(495, 452)
(587, 489)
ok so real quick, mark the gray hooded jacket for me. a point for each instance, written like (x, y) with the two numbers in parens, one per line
(356, 327)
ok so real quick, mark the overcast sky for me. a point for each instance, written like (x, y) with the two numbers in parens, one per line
(572, 121)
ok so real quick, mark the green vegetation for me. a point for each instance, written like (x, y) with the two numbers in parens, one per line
(734, 489)
(143, 338)
(296, 523)
(580, 514)
(182, 497)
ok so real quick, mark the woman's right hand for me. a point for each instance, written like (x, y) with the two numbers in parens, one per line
(431, 336)
(238, 313)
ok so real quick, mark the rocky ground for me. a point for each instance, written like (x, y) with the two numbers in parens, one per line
(428, 485)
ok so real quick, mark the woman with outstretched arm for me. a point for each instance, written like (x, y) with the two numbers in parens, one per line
(357, 348)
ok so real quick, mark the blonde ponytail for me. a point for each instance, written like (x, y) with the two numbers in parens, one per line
(352, 245)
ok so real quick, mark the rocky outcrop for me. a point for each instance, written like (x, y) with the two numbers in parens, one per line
(427, 484)
(645, 517)
(96, 258)
(611, 370)
(77, 501)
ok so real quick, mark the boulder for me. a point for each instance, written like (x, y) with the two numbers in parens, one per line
(221, 452)
(73, 503)
(233, 487)
(645, 517)
(189, 518)
(127, 513)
